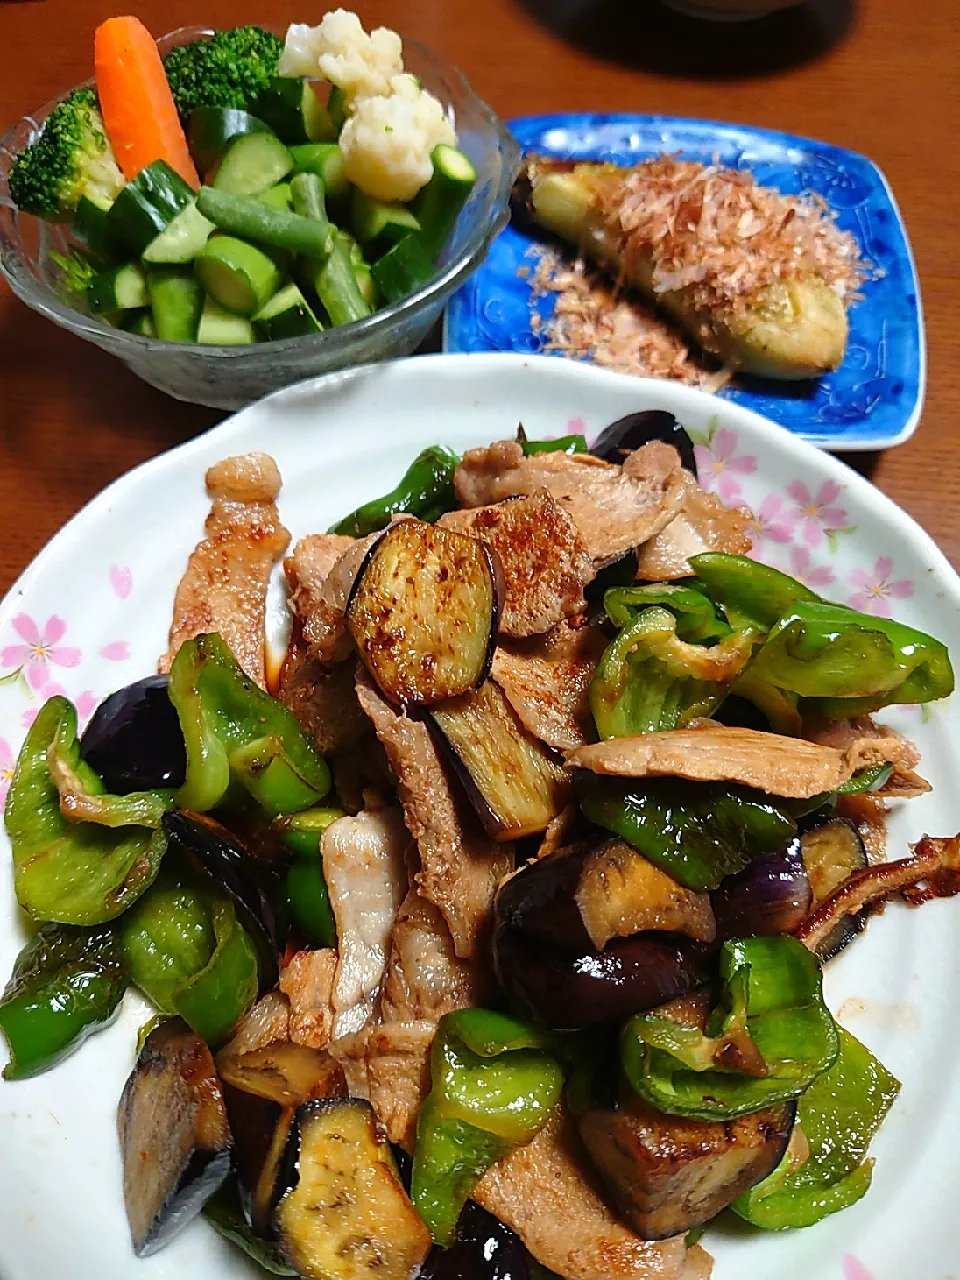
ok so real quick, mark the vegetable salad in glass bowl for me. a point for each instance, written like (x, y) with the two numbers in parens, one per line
(489, 929)
(337, 212)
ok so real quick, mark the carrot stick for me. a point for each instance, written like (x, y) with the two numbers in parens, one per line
(135, 100)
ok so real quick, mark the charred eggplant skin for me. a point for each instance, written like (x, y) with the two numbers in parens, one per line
(832, 852)
(424, 612)
(134, 741)
(174, 1135)
(638, 429)
(484, 1250)
(666, 1175)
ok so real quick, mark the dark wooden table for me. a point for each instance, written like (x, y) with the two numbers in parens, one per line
(875, 75)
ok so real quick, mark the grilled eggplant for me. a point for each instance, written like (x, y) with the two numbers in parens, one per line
(831, 854)
(344, 1214)
(638, 429)
(515, 783)
(424, 612)
(667, 1174)
(174, 1135)
(284, 1073)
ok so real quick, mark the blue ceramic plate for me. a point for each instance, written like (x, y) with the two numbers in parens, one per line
(873, 400)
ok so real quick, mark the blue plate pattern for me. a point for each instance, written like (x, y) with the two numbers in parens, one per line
(873, 400)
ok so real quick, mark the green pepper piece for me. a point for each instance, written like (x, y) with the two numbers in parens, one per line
(167, 937)
(190, 955)
(773, 1016)
(750, 593)
(480, 1105)
(82, 796)
(79, 873)
(697, 619)
(224, 1213)
(843, 663)
(301, 832)
(562, 444)
(309, 901)
(839, 1115)
(698, 832)
(235, 731)
(66, 984)
(426, 490)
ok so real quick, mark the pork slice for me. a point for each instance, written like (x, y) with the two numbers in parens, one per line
(460, 867)
(365, 867)
(322, 571)
(710, 752)
(546, 680)
(544, 1193)
(307, 983)
(425, 977)
(616, 508)
(397, 1066)
(703, 523)
(544, 560)
(224, 587)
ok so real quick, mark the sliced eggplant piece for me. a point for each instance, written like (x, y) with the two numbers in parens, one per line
(424, 612)
(539, 901)
(284, 1073)
(771, 896)
(638, 429)
(251, 883)
(484, 1250)
(831, 854)
(134, 741)
(174, 1135)
(668, 1174)
(344, 1214)
(515, 783)
(621, 892)
(568, 991)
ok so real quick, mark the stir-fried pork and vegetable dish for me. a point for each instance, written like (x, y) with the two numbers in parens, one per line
(331, 181)
(486, 937)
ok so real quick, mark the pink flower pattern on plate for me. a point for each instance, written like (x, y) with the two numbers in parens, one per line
(814, 512)
(40, 648)
(121, 579)
(811, 575)
(853, 1269)
(7, 762)
(115, 651)
(772, 521)
(874, 590)
(719, 465)
(86, 704)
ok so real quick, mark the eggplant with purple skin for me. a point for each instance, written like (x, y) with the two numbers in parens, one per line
(343, 1213)
(174, 1135)
(134, 741)
(484, 1250)
(668, 1174)
(424, 612)
(772, 895)
(516, 784)
(831, 854)
(251, 883)
(638, 429)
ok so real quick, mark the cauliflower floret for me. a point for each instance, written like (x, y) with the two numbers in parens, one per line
(387, 141)
(341, 51)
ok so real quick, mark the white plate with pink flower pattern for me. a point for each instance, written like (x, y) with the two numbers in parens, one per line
(92, 613)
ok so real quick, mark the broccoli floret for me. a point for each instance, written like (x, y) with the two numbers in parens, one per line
(77, 270)
(71, 158)
(231, 69)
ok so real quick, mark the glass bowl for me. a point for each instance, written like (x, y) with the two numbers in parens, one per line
(228, 377)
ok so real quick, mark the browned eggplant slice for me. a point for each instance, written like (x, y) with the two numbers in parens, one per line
(831, 854)
(344, 1214)
(174, 1135)
(516, 784)
(284, 1073)
(621, 892)
(667, 1174)
(424, 612)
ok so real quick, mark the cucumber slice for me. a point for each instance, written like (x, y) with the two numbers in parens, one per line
(141, 323)
(221, 328)
(176, 301)
(337, 108)
(325, 159)
(441, 200)
(286, 315)
(237, 275)
(182, 240)
(92, 228)
(294, 112)
(379, 223)
(147, 205)
(252, 164)
(122, 289)
(278, 197)
(403, 269)
(212, 129)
